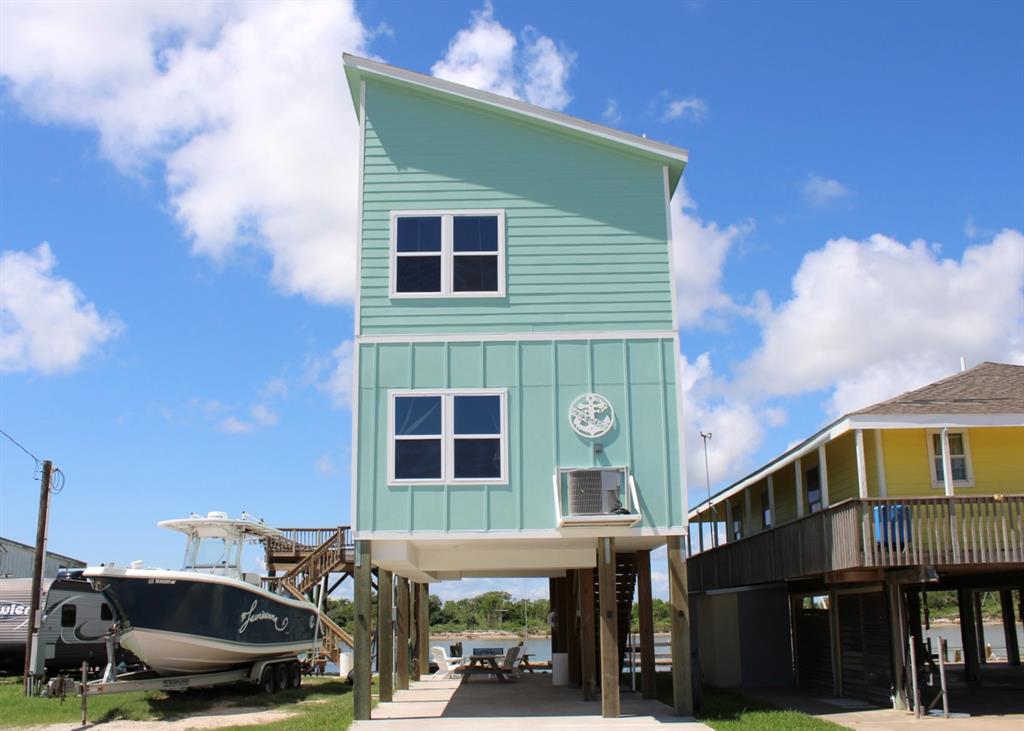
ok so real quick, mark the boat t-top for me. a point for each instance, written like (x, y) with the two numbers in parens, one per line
(210, 615)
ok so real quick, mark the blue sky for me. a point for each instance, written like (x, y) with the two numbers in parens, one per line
(181, 344)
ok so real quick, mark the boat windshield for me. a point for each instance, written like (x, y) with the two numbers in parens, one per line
(212, 554)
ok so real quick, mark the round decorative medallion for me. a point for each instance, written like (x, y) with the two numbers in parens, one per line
(591, 416)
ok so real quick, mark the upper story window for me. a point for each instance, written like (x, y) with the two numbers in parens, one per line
(813, 477)
(959, 458)
(447, 437)
(448, 254)
(766, 508)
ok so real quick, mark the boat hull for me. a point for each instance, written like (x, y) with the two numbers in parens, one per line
(178, 622)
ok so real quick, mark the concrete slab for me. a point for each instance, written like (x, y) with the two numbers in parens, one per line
(529, 702)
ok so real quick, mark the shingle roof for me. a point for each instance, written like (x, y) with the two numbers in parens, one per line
(989, 388)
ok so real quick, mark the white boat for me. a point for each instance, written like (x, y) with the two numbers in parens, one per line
(210, 615)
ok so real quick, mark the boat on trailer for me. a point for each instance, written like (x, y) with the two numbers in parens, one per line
(210, 615)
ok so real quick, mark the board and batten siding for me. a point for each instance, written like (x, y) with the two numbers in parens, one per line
(586, 229)
(543, 378)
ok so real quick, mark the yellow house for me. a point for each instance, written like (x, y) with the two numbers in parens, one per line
(840, 538)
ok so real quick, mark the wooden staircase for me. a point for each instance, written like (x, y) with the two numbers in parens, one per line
(307, 555)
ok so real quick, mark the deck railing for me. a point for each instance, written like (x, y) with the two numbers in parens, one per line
(300, 540)
(870, 532)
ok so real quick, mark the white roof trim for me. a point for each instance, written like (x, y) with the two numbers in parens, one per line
(514, 105)
(862, 421)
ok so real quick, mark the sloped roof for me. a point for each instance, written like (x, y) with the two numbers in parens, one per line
(988, 388)
(674, 157)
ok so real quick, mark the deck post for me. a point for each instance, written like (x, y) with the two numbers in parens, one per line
(771, 501)
(1009, 626)
(968, 635)
(572, 635)
(609, 628)
(798, 468)
(682, 683)
(646, 619)
(897, 644)
(414, 629)
(588, 666)
(402, 632)
(363, 589)
(423, 625)
(385, 635)
(823, 472)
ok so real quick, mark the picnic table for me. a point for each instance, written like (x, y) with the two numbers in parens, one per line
(530, 667)
(484, 664)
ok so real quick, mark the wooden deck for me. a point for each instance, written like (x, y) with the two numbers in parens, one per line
(872, 533)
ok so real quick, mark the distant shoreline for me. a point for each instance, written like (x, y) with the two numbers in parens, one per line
(496, 634)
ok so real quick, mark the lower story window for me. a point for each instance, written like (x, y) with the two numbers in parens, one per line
(447, 436)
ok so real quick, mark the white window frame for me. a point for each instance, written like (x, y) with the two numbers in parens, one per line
(932, 456)
(447, 253)
(448, 435)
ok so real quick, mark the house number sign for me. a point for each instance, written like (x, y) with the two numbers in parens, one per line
(591, 416)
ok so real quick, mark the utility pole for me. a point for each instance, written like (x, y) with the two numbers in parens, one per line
(707, 477)
(37, 571)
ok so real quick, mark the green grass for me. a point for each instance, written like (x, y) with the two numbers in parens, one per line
(321, 703)
(726, 711)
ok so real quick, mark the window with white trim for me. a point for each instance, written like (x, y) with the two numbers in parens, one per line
(448, 253)
(438, 437)
(959, 458)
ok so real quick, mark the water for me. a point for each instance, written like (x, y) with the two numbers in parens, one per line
(539, 648)
(993, 636)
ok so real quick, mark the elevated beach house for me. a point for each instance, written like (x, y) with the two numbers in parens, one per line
(833, 548)
(516, 410)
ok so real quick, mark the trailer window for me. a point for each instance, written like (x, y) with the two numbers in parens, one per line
(105, 614)
(68, 614)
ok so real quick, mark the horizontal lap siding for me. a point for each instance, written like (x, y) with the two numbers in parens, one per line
(542, 378)
(586, 235)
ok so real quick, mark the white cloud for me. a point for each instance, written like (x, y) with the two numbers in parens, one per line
(199, 87)
(262, 415)
(487, 56)
(275, 388)
(333, 374)
(234, 425)
(819, 191)
(325, 465)
(869, 319)
(46, 324)
(691, 108)
(699, 252)
(611, 113)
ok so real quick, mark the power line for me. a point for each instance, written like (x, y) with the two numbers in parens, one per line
(17, 444)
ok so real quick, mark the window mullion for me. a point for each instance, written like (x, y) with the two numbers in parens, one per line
(447, 227)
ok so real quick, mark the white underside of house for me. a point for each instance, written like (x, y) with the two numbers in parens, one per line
(474, 556)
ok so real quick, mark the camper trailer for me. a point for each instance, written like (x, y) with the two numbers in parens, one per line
(74, 622)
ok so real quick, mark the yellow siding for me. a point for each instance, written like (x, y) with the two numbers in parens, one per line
(785, 496)
(841, 456)
(871, 462)
(997, 461)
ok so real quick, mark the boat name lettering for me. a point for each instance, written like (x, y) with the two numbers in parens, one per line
(253, 616)
(13, 609)
(162, 581)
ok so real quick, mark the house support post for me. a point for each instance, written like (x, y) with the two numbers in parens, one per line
(588, 665)
(402, 632)
(834, 644)
(423, 624)
(572, 635)
(363, 589)
(609, 628)
(979, 627)
(414, 630)
(897, 644)
(1009, 626)
(798, 469)
(553, 612)
(682, 682)
(645, 609)
(385, 635)
(968, 635)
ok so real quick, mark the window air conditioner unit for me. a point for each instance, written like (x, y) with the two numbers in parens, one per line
(596, 496)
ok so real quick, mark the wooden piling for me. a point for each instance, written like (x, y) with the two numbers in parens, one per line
(402, 632)
(968, 635)
(414, 629)
(571, 592)
(645, 609)
(361, 689)
(1009, 627)
(588, 665)
(385, 635)
(423, 627)
(682, 682)
(609, 631)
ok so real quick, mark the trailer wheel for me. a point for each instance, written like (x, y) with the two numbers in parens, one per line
(295, 675)
(282, 676)
(268, 680)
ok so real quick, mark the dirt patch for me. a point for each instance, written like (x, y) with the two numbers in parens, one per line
(211, 718)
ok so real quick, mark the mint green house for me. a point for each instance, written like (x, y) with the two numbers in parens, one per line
(517, 386)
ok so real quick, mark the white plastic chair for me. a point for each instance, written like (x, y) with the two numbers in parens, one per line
(447, 667)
